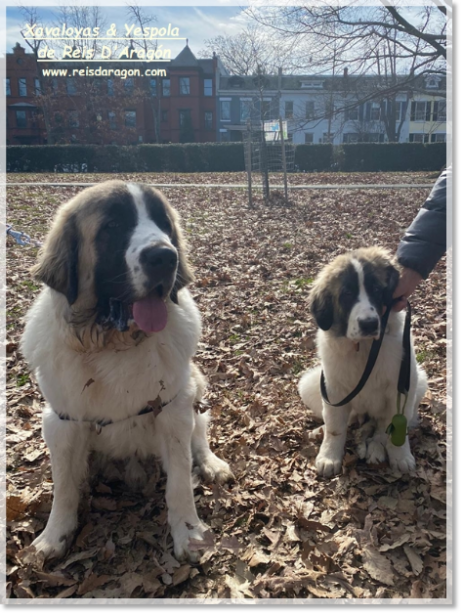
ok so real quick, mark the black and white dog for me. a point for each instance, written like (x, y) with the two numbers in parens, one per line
(111, 340)
(347, 300)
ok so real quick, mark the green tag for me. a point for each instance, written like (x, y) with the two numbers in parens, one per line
(398, 429)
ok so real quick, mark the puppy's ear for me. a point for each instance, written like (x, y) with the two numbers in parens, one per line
(59, 259)
(322, 308)
(392, 279)
(184, 271)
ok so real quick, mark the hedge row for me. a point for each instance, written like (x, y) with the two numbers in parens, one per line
(204, 157)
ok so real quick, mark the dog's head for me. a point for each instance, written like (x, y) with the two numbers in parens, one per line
(116, 242)
(349, 295)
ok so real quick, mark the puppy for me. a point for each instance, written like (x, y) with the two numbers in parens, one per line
(348, 299)
(111, 340)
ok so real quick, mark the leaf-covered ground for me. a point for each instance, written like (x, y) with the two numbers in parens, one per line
(279, 531)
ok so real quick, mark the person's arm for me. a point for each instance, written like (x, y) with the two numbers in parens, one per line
(424, 242)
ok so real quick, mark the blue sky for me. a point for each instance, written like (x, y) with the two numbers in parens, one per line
(195, 23)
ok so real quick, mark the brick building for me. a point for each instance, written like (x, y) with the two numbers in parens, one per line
(179, 106)
(24, 119)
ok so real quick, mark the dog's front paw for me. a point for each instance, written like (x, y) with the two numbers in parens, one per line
(400, 459)
(184, 532)
(52, 543)
(214, 469)
(327, 465)
(372, 450)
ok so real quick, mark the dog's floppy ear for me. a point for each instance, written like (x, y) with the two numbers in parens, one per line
(184, 271)
(392, 279)
(321, 306)
(59, 259)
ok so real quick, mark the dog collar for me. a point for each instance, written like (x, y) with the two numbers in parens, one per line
(155, 406)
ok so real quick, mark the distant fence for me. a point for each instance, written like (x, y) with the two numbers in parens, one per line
(214, 157)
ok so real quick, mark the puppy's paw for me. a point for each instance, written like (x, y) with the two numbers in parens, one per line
(135, 476)
(401, 460)
(376, 453)
(328, 465)
(184, 534)
(214, 469)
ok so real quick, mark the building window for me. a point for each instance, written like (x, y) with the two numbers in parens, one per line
(21, 119)
(71, 89)
(153, 85)
(265, 109)
(309, 110)
(353, 114)
(432, 82)
(166, 87)
(110, 87)
(439, 137)
(329, 109)
(208, 120)
(73, 119)
(164, 115)
(289, 109)
(131, 119)
(207, 87)
(22, 87)
(225, 110)
(245, 110)
(350, 137)
(440, 111)
(308, 138)
(420, 111)
(112, 120)
(37, 87)
(328, 138)
(7, 87)
(375, 113)
(128, 85)
(418, 137)
(184, 117)
(184, 85)
(96, 85)
(312, 84)
(398, 114)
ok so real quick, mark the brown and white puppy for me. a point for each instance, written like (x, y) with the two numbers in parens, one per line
(113, 332)
(347, 301)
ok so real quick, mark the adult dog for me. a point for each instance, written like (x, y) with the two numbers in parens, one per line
(111, 340)
(347, 300)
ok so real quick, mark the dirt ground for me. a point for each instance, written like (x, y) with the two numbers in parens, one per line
(279, 531)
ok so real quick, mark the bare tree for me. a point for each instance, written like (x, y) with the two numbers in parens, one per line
(250, 52)
(144, 20)
(398, 46)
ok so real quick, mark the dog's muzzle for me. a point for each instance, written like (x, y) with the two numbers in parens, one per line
(159, 263)
(369, 327)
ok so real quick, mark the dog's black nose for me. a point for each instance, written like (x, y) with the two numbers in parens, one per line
(158, 260)
(369, 326)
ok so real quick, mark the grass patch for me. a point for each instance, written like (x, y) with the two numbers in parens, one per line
(301, 282)
(22, 379)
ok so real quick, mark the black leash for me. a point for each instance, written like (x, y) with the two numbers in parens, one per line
(398, 427)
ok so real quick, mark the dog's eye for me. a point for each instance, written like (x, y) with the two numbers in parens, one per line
(112, 224)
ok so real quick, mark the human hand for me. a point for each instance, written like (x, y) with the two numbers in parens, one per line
(408, 281)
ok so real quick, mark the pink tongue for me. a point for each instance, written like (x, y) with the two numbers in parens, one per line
(150, 314)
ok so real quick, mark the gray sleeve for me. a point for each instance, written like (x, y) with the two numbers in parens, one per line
(424, 242)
